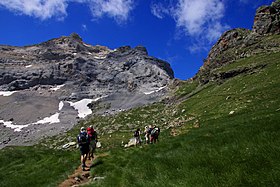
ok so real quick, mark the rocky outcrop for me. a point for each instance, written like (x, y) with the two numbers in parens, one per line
(241, 43)
(267, 19)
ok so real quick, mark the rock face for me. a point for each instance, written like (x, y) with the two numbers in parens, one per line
(241, 43)
(267, 19)
(94, 69)
(53, 79)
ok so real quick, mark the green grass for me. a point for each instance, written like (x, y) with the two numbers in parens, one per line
(187, 88)
(228, 155)
(29, 166)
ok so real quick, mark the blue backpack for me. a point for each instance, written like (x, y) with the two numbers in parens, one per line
(83, 138)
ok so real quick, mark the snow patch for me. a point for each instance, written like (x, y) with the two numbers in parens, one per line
(99, 57)
(7, 93)
(52, 119)
(157, 90)
(57, 87)
(28, 66)
(10, 124)
(81, 106)
(60, 106)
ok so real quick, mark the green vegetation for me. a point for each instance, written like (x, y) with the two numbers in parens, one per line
(224, 134)
(29, 166)
(187, 88)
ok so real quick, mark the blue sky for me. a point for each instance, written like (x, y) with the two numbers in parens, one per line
(178, 31)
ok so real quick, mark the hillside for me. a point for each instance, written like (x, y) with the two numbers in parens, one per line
(219, 135)
(220, 128)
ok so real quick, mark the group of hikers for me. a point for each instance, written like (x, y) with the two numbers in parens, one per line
(87, 139)
(151, 135)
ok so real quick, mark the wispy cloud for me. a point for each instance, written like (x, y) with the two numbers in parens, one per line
(160, 10)
(117, 9)
(37, 8)
(46, 9)
(199, 19)
(84, 27)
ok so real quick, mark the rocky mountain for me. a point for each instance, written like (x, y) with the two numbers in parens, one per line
(46, 88)
(89, 67)
(241, 43)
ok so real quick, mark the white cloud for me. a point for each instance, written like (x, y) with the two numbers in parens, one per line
(199, 19)
(42, 9)
(117, 9)
(46, 9)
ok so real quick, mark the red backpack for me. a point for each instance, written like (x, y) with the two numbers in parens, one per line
(90, 132)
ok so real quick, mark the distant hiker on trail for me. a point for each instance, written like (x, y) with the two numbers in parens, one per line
(83, 141)
(92, 141)
(147, 134)
(150, 132)
(155, 134)
(137, 136)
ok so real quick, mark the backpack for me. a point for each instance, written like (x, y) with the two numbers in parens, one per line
(136, 134)
(154, 131)
(90, 133)
(83, 138)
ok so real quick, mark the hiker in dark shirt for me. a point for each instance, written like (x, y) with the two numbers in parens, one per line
(154, 134)
(83, 141)
(137, 136)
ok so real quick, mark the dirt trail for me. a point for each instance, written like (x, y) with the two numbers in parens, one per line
(80, 177)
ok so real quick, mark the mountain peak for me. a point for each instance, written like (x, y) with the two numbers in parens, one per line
(75, 36)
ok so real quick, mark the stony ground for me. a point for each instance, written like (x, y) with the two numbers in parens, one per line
(28, 107)
(47, 112)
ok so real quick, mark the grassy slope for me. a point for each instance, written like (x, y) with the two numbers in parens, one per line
(30, 166)
(241, 149)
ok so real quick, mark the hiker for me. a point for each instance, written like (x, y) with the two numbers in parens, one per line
(157, 133)
(92, 141)
(137, 136)
(83, 141)
(147, 134)
(154, 134)
(150, 132)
